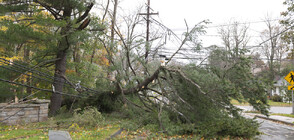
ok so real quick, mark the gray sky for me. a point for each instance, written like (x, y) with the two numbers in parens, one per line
(173, 12)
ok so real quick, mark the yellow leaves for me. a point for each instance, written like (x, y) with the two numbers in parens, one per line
(105, 61)
(74, 126)
(6, 17)
(68, 71)
(100, 58)
(11, 59)
(24, 77)
(2, 50)
(3, 28)
(31, 41)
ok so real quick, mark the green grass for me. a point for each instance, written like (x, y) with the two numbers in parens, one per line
(19, 132)
(251, 111)
(270, 102)
(235, 102)
(22, 132)
(285, 115)
(39, 131)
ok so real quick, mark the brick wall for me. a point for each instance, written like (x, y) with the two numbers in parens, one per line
(36, 111)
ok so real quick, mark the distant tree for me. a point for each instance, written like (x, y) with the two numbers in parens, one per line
(288, 23)
(235, 37)
(257, 61)
(275, 48)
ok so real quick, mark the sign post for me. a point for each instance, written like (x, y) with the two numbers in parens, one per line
(290, 79)
(292, 104)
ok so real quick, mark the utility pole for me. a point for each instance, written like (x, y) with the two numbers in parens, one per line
(148, 14)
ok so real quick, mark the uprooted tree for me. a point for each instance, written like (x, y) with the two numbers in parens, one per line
(191, 96)
(174, 94)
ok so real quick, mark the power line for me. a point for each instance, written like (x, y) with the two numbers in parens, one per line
(183, 58)
(27, 68)
(25, 73)
(205, 35)
(222, 25)
(259, 45)
(44, 74)
(47, 90)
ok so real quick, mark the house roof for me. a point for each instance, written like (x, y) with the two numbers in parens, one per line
(280, 81)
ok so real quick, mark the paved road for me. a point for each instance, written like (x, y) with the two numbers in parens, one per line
(274, 131)
(283, 110)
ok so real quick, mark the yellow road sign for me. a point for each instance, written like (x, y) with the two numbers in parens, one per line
(290, 87)
(290, 77)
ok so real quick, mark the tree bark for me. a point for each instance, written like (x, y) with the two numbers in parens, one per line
(113, 21)
(60, 66)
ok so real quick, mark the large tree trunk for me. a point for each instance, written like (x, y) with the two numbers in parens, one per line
(60, 66)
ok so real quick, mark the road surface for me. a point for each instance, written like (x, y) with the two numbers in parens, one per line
(274, 131)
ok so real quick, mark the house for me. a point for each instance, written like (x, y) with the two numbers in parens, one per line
(280, 86)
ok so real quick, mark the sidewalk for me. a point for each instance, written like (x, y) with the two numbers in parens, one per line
(276, 118)
(273, 109)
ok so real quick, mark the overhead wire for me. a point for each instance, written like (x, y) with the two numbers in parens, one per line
(214, 26)
(45, 75)
(47, 90)
(174, 34)
(222, 25)
(18, 71)
(41, 89)
(18, 66)
(248, 47)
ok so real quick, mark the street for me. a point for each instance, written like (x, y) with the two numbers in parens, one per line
(275, 131)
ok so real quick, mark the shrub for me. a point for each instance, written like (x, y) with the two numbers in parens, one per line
(277, 98)
(90, 116)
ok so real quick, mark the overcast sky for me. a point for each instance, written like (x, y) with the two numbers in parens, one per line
(173, 12)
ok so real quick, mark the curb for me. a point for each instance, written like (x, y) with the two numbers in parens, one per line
(275, 120)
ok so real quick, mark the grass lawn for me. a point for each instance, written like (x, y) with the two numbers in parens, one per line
(286, 115)
(38, 131)
(271, 103)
